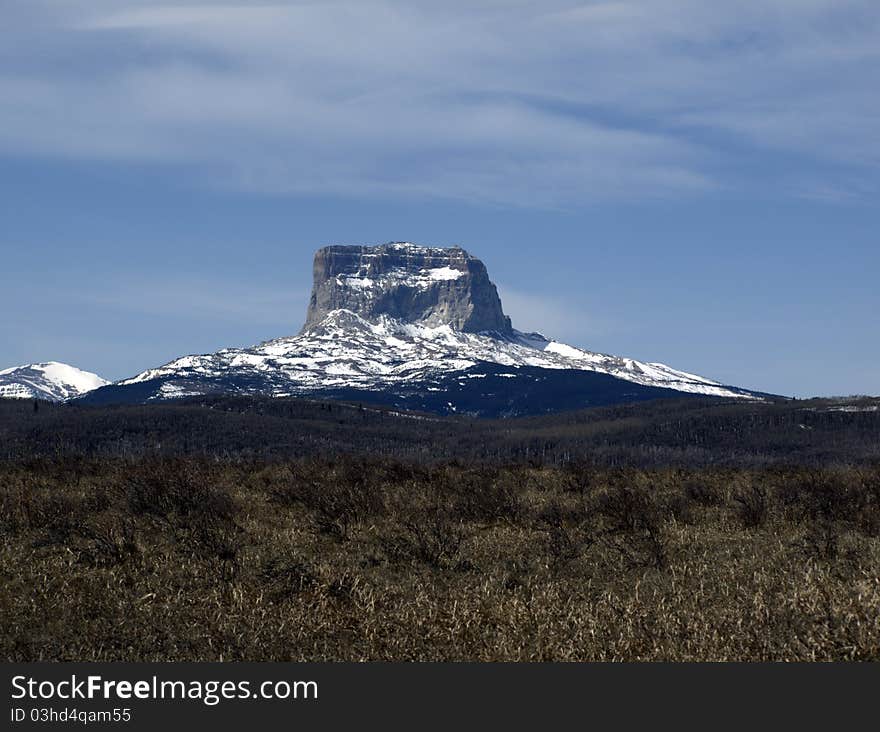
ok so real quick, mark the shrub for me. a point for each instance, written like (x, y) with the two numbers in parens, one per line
(218, 540)
(703, 492)
(287, 577)
(339, 497)
(111, 540)
(434, 539)
(679, 507)
(57, 513)
(635, 525)
(752, 505)
(437, 541)
(822, 540)
(177, 488)
(629, 509)
(483, 495)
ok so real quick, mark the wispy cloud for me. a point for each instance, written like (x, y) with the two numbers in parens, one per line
(190, 298)
(537, 104)
(564, 319)
(183, 297)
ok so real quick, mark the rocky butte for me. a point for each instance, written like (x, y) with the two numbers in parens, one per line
(425, 285)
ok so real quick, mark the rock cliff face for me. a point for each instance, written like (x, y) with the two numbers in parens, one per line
(423, 285)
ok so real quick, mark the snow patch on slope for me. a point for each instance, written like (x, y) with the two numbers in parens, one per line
(344, 349)
(421, 279)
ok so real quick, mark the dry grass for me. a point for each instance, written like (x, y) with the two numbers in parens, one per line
(370, 560)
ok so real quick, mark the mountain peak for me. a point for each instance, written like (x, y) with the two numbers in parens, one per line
(49, 380)
(415, 284)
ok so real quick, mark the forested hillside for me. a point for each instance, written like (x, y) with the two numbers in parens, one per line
(685, 432)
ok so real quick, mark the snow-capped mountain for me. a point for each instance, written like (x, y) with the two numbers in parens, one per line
(51, 381)
(415, 327)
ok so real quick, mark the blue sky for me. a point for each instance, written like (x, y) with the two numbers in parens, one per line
(683, 181)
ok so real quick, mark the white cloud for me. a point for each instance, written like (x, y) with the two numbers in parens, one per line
(548, 104)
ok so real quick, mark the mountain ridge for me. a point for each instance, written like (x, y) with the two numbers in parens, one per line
(411, 332)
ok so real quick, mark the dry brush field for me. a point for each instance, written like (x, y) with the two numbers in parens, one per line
(378, 559)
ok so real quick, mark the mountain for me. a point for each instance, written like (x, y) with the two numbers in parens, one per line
(419, 328)
(52, 381)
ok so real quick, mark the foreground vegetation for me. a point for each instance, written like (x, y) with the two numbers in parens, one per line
(357, 558)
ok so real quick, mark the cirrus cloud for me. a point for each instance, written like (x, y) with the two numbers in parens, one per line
(552, 104)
